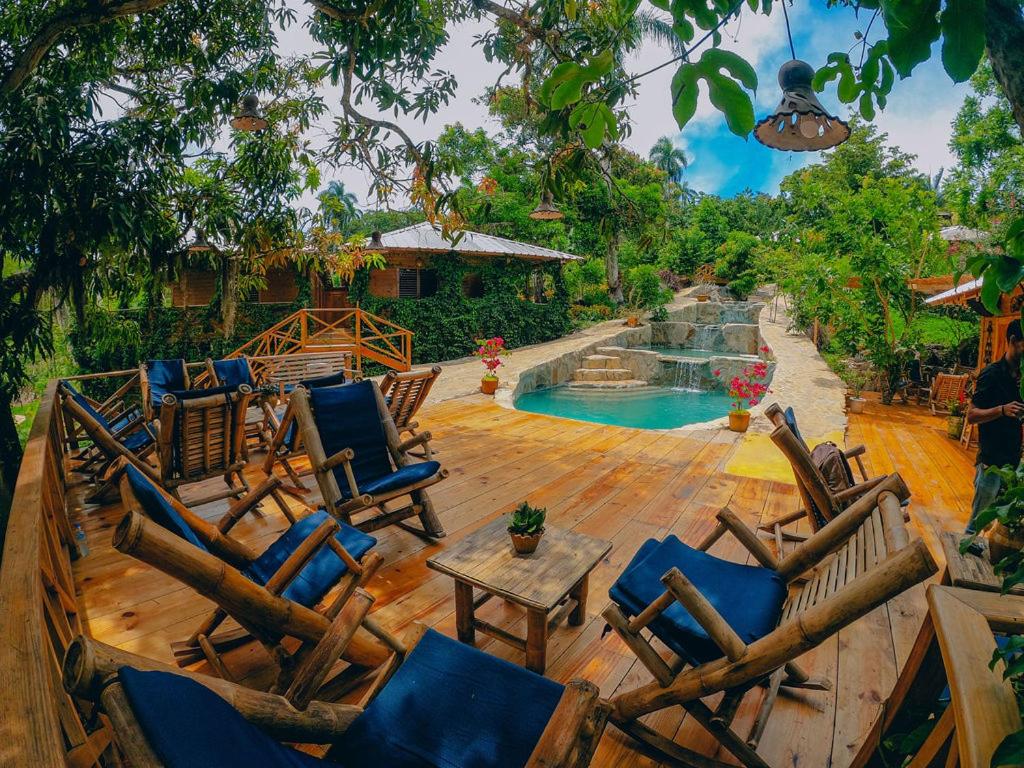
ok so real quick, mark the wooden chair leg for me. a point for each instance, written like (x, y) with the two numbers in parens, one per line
(428, 517)
(737, 746)
(663, 747)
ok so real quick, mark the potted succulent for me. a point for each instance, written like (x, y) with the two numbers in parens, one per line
(1004, 519)
(526, 527)
(955, 421)
(490, 351)
(749, 388)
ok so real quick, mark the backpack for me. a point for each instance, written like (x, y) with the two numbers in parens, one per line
(834, 467)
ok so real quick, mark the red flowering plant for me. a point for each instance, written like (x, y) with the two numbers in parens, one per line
(748, 387)
(490, 351)
(958, 407)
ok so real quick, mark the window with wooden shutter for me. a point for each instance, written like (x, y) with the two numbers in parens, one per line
(408, 283)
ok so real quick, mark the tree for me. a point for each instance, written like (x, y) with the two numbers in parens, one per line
(669, 158)
(338, 205)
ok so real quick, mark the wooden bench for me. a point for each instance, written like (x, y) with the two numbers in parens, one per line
(286, 371)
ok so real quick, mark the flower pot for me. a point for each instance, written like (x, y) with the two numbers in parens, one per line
(632, 321)
(1002, 542)
(739, 420)
(526, 543)
(857, 404)
(489, 386)
(702, 297)
(955, 426)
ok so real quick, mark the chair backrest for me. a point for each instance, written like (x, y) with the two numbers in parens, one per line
(159, 507)
(815, 493)
(404, 393)
(159, 377)
(202, 433)
(947, 387)
(85, 405)
(287, 371)
(232, 372)
(349, 417)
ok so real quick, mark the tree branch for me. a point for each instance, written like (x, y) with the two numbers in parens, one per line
(28, 60)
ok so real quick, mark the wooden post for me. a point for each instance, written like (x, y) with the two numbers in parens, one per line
(536, 640)
(464, 613)
(247, 601)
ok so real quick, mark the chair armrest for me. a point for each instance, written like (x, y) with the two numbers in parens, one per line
(858, 490)
(298, 559)
(238, 509)
(705, 614)
(571, 735)
(342, 458)
(747, 538)
(857, 450)
(419, 439)
(786, 519)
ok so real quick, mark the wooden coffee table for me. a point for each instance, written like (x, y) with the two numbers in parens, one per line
(549, 584)
(970, 571)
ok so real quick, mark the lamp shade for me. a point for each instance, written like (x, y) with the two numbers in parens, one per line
(546, 210)
(800, 123)
(249, 119)
(200, 244)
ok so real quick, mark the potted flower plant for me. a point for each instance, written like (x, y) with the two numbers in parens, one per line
(1004, 519)
(490, 351)
(526, 527)
(955, 421)
(749, 388)
(856, 380)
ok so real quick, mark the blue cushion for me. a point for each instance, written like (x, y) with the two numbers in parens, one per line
(790, 417)
(231, 373)
(347, 417)
(158, 509)
(322, 572)
(195, 394)
(137, 440)
(330, 380)
(188, 725)
(748, 597)
(402, 478)
(164, 376)
(451, 706)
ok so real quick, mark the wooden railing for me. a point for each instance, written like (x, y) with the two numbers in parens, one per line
(351, 330)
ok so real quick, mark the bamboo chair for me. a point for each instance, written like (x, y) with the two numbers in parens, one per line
(158, 378)
(732, 627)
(778, 417)
(114, 410)
(260, 421)
(405, 393)
(271, 595)
(127, 427)
(286, 444)
(819, 503)
(946, 388)
(359, 461)
(437, 703)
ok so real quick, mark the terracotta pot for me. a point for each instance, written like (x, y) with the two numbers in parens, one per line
(739, 420)
(857, 404)
(488, 386)
(1002, 542)
(955, 426)
(702, 297)
(526, 543)
(632, 321)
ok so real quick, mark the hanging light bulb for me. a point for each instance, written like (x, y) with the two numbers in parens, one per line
(249, 119)
(546, 209)
(800, 123)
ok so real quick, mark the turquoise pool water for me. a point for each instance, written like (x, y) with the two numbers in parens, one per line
(647, 408)
(703, 354)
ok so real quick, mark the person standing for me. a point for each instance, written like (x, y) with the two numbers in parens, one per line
(997, 410)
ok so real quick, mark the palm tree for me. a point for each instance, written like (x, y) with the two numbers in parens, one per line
(669, 158)
(337, 205)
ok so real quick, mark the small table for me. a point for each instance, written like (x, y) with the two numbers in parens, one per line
(970, 571)
(549, 584)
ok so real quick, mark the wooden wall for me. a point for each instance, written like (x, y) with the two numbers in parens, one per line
(197, 287)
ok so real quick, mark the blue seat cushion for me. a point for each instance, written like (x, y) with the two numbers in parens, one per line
(158, 508)
(138, 439)
(748, 597)
(164, 376)
(401, 478)
(231, 373)
(330, 380)
(322, 572)
(451, 706)
(187, 725)
(347, 417)
(790, 417)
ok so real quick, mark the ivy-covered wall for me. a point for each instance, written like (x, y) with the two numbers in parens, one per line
(446, 324)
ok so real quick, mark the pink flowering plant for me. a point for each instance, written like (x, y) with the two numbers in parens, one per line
(490, 351)
(748, 387)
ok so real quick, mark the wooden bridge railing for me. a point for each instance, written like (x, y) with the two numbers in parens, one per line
(352, 330)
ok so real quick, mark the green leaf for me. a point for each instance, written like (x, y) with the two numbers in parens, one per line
(733, 102)
(913, 26)
(990, 291)
(1009, 274)
(735, 65)
(590, 122)
(963, 37)
(888, 77)
(825, 75)
(559, 74)
(866, 107)
(570, 10)
(848, 86)
(684, 94)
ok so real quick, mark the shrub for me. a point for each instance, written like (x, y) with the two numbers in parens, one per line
(642, 287)
(581, 315)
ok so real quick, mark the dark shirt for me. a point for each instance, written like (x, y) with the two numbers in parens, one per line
(999, 440)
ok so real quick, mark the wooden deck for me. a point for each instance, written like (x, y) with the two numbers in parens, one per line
(620, 484)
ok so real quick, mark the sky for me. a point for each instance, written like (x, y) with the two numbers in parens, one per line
(917, 118)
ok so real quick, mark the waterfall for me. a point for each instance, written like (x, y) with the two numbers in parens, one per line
(704, 336)
(688, 376)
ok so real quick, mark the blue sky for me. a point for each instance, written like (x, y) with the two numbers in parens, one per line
(917, 119)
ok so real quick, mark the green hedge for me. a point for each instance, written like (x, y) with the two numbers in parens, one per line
(446, 324)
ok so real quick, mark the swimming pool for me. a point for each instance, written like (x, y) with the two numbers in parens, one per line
(646, 408)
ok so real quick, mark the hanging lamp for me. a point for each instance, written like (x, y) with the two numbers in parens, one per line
(200, 244)
(800, 123)
(249, 119)
(546, 209)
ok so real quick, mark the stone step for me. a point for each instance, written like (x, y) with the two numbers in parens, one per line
(603, 374)
(626, 384)
(601, 361)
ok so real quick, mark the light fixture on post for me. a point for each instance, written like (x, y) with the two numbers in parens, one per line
(800, 123)
(546, 210)
(249, 119)
(200, 244)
